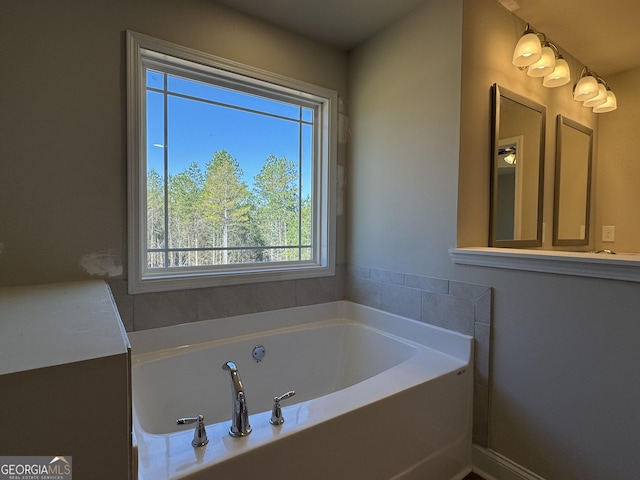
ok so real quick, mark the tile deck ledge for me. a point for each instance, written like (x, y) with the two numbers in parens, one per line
(624, 267)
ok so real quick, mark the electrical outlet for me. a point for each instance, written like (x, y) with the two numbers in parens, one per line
(608, 233)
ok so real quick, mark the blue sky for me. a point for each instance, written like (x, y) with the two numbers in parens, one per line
(198, 129)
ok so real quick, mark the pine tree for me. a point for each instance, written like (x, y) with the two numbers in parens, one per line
(276, 196)
(226, 205)
(155, 218)
(186, 223)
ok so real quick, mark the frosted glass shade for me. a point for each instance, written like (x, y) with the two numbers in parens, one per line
(586, 89)
(598, 99)
(545, 65)
(561, 75)
(527, 51)
(609, 105)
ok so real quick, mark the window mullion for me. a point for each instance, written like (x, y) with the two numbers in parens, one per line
(300, 165)
(166, 171)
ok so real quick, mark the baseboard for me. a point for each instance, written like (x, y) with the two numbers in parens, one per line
(493, 466)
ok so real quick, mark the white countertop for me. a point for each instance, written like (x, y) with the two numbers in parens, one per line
(55, 324)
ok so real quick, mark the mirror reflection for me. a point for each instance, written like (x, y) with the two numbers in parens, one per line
(572, 183)
(517, 171)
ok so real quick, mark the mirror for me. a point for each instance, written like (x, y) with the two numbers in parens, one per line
(572, 184)
(517, 170)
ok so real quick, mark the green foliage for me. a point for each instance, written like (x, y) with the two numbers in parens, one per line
(155, 217)
(276, 194)
(214, 218)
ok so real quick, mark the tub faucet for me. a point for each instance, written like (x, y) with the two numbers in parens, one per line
(200, 434)
(239, 415)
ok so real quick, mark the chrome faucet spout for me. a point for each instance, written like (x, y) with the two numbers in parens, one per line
(240, 413)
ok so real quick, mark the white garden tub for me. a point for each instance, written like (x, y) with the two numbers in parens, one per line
(378, 396)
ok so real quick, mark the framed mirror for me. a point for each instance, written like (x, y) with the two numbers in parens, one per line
(572, 193)
(517, 170)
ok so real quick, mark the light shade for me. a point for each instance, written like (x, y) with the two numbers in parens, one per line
(561, 75)
(586, 89)
(609, 105)
(598, 99)
(527, 51)
(545, 65)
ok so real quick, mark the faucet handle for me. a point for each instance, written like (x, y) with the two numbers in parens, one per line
(276, 413)
(200, 434)
(284, 396)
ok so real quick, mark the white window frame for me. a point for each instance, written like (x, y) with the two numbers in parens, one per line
(143, 51)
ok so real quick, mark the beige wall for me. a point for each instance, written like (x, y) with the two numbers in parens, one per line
(618, 182)
(490, 34)
(63, 150)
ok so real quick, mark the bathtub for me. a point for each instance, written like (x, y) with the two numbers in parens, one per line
(378, 396)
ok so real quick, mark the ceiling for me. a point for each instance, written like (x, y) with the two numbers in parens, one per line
(605, 36)
(341, 23)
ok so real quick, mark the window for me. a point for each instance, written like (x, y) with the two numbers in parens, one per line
(231, 171)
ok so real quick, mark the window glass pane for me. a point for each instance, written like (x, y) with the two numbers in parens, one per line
(155, 179)
(230, 97)
(307, 115)
(234, 180)
(155, 260)
(155, 132)
(155, 79)
(307, 185)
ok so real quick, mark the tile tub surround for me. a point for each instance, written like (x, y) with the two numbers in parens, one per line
(162, 309)
(457, 306)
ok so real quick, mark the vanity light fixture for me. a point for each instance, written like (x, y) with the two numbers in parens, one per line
(545, 65)
(594, 92)
(599, 99)
(542, 58)
(510, 159)
(561, 75)
(610, 105)
(528, 50)
(587, 86)
(509, 153)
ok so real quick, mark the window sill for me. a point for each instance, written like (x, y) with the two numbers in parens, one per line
(171, 282)
(624, 267)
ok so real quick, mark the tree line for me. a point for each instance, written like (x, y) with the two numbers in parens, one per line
(213, 217)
